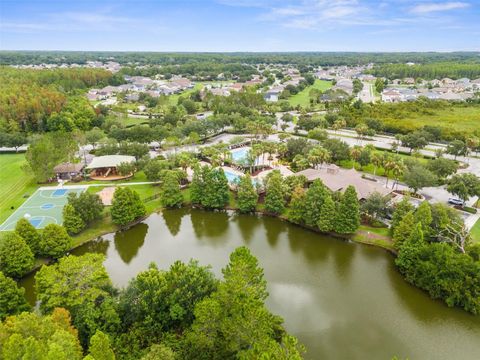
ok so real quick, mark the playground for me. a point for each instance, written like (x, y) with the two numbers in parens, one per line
(42, 208)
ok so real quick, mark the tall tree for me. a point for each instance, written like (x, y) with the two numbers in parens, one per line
(315, 196)
(423, 215)
(72, 221)
(89, 206)
(126, 206)
(171, 195)
(401, 209)
(100, 347)
(347, 219)
(12, 300)
(275, 195)
(403, 230)
(16, 258)
(29, 233)
(296, 208)
(326, 221)
(234, 319)
(247, 195)
(55, 241)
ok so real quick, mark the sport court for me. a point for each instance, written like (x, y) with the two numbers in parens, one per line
(42, 208)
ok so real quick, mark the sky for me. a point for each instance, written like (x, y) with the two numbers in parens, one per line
(240, 25)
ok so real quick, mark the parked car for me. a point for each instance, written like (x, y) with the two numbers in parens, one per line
(455, 201)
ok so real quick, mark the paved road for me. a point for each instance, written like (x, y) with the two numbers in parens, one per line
(367, 95)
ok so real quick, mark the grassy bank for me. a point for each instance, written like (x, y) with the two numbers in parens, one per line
(14, 184)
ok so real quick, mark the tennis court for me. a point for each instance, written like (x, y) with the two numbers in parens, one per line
(42, 208)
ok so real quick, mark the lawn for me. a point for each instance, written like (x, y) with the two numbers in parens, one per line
(455, 118)
(302, 97)
(475, 232)
(14, 184)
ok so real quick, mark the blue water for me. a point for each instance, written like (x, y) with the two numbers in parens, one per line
(235, 179)
(231, 177)
(240, 155)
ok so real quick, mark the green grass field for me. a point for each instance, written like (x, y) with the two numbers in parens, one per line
(302, 97)
(14, 183)
(460, 119)
(475, 232)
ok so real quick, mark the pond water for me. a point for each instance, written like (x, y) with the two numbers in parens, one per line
(342, 300)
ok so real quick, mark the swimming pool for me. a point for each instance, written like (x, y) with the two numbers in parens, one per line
(239, 156)
(235, 179)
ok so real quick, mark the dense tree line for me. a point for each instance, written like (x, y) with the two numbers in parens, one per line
(435, 253)
(440, 70)
(182, 313)
(168, 58)
(28, 98)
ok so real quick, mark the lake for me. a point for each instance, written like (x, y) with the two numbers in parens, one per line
(341, 299)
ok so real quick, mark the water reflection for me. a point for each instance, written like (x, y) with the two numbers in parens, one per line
(273, 228)
(210, 225)
(343, 300)
(173, 219)
(247, 224)
(127, 243)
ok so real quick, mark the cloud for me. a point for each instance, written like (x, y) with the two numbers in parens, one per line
(437, 7)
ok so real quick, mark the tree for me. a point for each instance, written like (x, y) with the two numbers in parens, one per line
(171, 195)
(326, 221)
(403, 230)
(234, 319)
(126, 206)
(32, 336)
(375, 206)
(457, 148)
(379, 85)
(153, 169)
(418, 177)
(29, 233)
(94, 136)
(72, 221)
(54, 241)
(12, 300)
(442, 167)
(47, 151)
(464, 185)
(16, 258)
(159, 352)
(126, 168)
(217, 191)
(71, 282)
(415, 140)
(87, 205)
(318, 156)
(423, 215)
(315, 196)
(401, 209)
(15, 140)
(100, 347)
(347, 219)
(247, 195)
(275, 195)
(158, 301)
(296, 208)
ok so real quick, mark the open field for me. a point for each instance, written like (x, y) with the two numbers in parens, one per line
(452, 120)
(302, 97)
(14, 183)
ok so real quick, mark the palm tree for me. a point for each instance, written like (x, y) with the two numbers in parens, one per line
(355, 154)
(318, 155)
(376, 160)
(397, 170)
